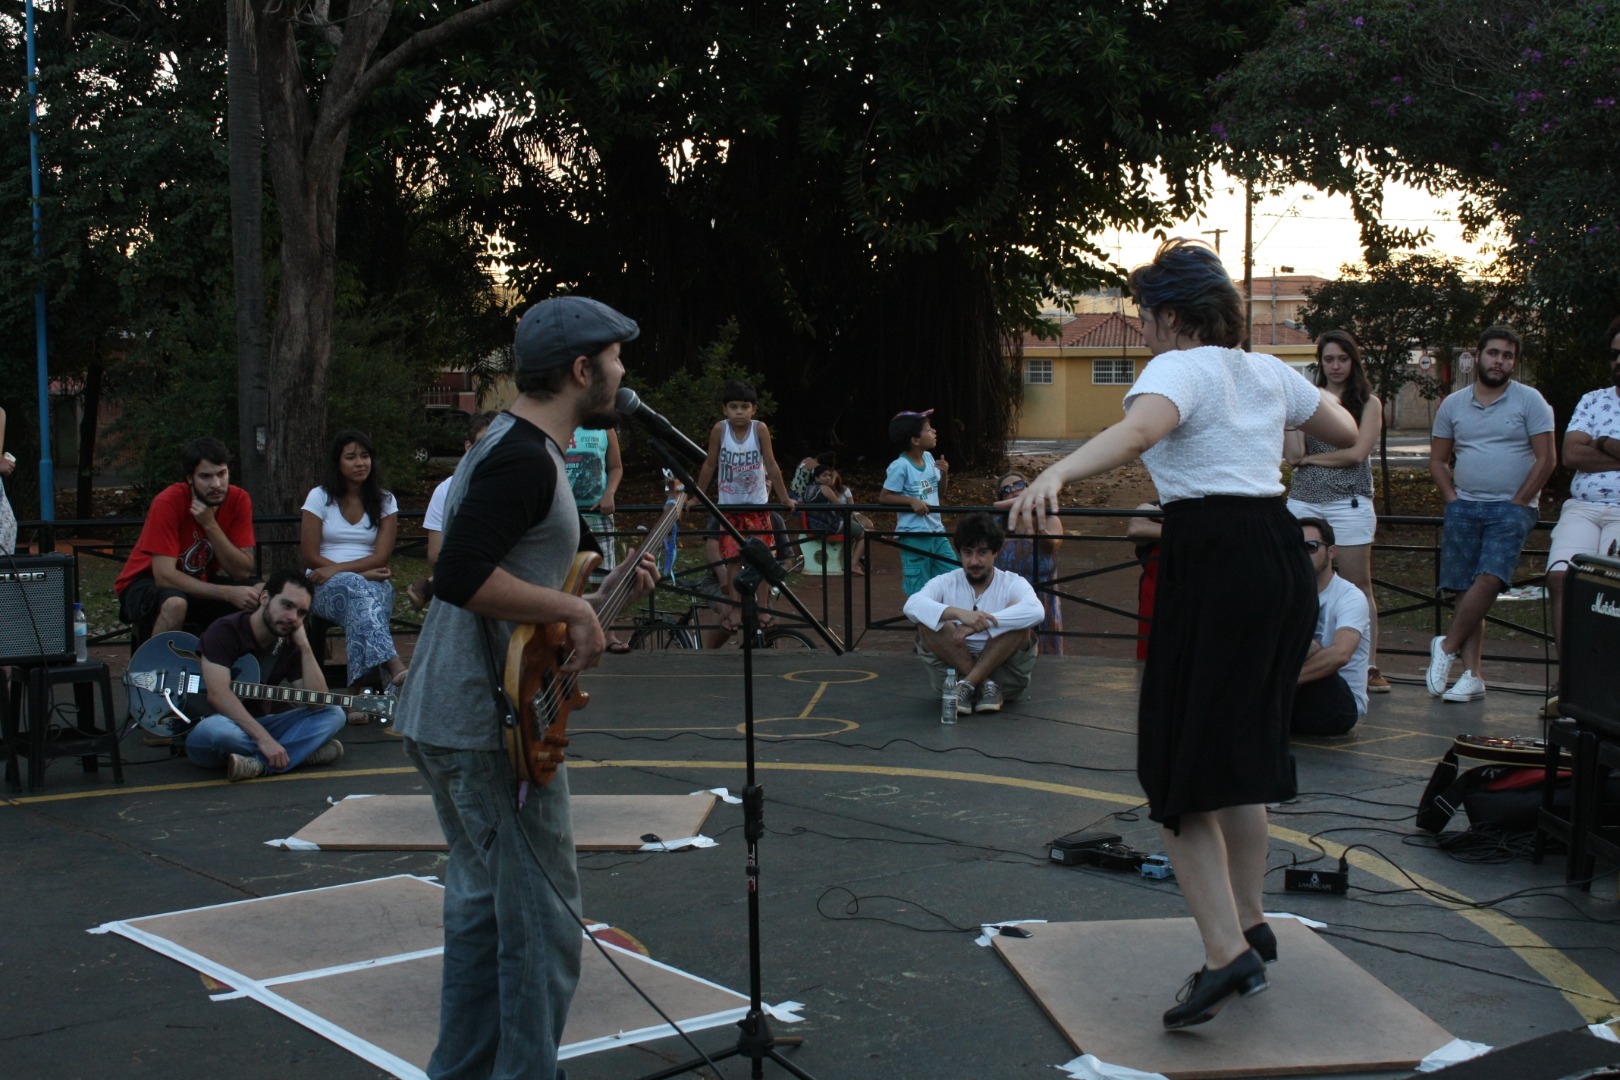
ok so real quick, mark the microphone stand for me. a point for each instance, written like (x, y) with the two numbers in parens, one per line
(755, 1040)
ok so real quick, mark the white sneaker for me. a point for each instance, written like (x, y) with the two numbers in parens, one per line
(1440, 663)
(242, 767)
(1469, 687)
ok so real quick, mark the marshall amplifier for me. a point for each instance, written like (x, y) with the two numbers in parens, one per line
(1589, 677)
(36, 609)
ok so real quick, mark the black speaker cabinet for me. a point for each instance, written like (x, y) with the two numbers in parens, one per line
(1589, 659)
(36, 609)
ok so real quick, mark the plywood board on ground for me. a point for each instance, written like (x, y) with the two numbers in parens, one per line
(601, 822)
(1106, 986)
(360, 964)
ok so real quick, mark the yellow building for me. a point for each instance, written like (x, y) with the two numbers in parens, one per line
(1074, 385)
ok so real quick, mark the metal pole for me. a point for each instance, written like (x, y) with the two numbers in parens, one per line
(47, 472)
(1248, 262)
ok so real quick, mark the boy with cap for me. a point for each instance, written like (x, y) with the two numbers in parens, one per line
(511, 896)
(914, 481)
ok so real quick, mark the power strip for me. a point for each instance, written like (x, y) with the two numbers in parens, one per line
(1071, 850)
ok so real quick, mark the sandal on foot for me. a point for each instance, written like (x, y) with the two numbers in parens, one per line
(618, 648)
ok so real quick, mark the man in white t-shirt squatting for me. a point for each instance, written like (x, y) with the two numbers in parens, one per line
(978, 620)
(1332, 691)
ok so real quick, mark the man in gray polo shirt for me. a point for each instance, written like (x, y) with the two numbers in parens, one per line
(1502, 434)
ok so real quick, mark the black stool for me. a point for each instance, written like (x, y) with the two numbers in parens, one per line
(27, 701)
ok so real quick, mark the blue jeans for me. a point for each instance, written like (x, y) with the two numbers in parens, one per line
(1482, 538)
(511, 942)
(300, 732)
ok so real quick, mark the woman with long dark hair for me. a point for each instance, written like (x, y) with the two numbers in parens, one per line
(347, 539)
(1337, 485)
(1236, 600)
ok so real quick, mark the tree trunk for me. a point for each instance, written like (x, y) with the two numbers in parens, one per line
(306, 148)
(247, 250)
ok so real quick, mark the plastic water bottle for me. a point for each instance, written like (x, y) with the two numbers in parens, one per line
(81, 635)
(947, 701)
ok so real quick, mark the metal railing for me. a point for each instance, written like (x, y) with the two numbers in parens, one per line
(856, 614)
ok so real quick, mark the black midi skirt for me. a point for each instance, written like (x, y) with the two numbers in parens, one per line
(1232, 624)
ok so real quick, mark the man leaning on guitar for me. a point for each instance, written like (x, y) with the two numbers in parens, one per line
(246, 739)
(512, 531)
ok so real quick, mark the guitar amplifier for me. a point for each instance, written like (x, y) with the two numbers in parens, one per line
(36, 609)
(1588, 687)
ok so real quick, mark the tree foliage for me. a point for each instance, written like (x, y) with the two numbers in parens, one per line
(1396, 309)
(878, 195)
(1512, 103)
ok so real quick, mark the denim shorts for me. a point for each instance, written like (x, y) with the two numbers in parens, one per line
(1482, 538)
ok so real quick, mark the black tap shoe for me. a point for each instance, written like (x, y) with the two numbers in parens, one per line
(1207, 992)
(1262, 941)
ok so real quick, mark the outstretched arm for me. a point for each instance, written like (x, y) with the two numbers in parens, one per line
(1151, 418)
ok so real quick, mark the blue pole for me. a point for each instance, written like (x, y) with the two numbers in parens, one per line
(47, 472)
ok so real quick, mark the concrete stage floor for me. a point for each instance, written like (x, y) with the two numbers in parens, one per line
(890, 838)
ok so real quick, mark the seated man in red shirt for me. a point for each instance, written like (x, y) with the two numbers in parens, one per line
(194, 560)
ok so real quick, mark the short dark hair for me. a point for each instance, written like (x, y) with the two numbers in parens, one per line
(282, 578)
(480, 423)
(979, 529)
(1501, 333)
(737, 390)
(1608, 335)
(197, 451)
(1186, 280)
(1323, 529)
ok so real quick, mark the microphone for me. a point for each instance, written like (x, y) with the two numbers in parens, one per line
(629, 403)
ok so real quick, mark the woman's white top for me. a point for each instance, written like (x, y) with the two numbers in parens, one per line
(341, 540)
(1234, 406)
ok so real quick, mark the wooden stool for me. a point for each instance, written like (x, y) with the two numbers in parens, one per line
(26, 730)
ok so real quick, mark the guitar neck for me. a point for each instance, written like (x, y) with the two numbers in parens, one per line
(614, 603)
(289, 695)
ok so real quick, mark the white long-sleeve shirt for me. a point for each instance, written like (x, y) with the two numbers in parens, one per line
(1010, 598)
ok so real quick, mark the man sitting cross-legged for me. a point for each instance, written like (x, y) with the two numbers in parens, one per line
(978, 620)
(244, 737)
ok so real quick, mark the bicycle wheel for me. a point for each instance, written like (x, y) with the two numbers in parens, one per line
(783, 637)
(663, 634)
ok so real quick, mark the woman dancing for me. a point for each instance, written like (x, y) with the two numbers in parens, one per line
(1236, 599)
(1337, 485)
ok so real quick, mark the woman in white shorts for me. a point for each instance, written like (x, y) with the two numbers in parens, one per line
(1336, 485)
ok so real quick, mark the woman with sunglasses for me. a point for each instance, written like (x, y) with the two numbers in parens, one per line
(1236, 600)
(1337, 485)
(1036, 562)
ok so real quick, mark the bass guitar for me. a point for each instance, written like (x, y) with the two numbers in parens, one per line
(543, 694)
(167, 697)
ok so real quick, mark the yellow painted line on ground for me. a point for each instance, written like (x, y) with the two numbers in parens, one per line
(815, 697)
(1589, 998)
(188, 785)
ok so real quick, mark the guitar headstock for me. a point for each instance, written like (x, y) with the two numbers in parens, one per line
(674, 489)
(373, 704)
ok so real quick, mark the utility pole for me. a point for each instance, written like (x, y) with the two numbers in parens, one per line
(1248, 262)
(1216, 233)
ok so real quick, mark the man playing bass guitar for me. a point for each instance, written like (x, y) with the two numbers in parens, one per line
(511, 898)
(244, 737)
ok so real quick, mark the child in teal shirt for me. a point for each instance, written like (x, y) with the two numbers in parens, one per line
(914, 481)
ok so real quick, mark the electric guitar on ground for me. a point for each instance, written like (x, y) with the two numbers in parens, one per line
(543, 694)
(167, 697)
